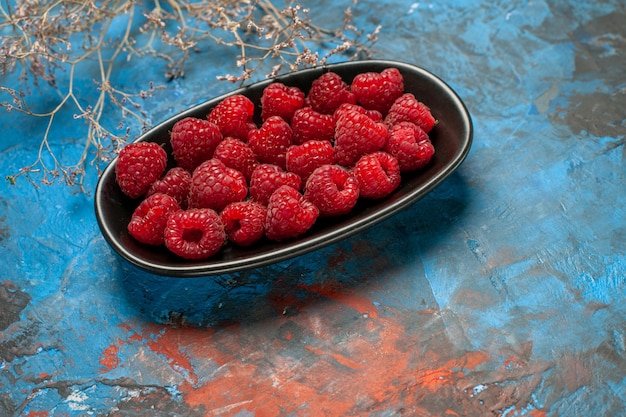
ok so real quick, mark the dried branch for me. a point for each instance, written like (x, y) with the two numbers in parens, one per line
(43, 40)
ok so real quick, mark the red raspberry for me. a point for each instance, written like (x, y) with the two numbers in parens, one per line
(234, 116)
(244, 222)
(147, 224)
(194, 233)
(303, 159)
(410, 145)
(193, 141)
(355, 135)
(214, 185)
(332, 189)
(266, 178)
(378, 91)
(328, 92)
(378, 175)
(237, 154)
(408, 109)
(289, 214)
(139, 164)
(175, 183)
(280, 100)
(271, 140)
(375, 115)
(308, 124)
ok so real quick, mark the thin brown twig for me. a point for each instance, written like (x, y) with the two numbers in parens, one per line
(42, 40)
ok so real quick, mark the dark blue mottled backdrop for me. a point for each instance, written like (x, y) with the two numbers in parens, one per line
(501, 293)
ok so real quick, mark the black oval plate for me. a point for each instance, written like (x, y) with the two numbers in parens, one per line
(452, 138)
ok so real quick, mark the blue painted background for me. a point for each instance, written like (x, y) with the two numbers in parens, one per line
(507, 282)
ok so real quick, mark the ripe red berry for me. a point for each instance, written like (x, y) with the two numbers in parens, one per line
(408, 109)
(375, 115)
(333, 189)
(378, 91)
(175, 183)
(378, 175)
(328, 92)
(266, 178)
(147, 223)
(289, 214)
(315, 153)
(214, 185)
(193, 141)
(237, 154)
(410, 145)
(303, 159)
(271, 140)
(234, 116)
(139, 164)
(308, 124)
(194, 233)
(244, 222)
(280, 100)
(355, 135)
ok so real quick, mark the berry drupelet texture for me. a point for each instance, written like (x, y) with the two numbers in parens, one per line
(139, 164)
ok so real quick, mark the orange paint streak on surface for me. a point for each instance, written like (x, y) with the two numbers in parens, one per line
(308, 386)
(513, 362)
(246, 387)
(125, 327)
(470, 360)
(434, 379)
(306, 365)
(38, 414)
(341, 359)
(537, 413)
(169, 343)
(265, 373)
(353, 300)
(110, 359)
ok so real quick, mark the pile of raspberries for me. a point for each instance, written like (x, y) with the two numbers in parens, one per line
(314, 154)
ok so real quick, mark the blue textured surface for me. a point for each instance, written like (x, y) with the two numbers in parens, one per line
(503, 292)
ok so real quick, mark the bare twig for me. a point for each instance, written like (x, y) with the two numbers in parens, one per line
(42, 39)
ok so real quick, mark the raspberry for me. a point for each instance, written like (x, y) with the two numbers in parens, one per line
(234, 116)
(193, 141)
(303, 159)
(378, 91)
(328, 92)
(332, 189)
(237, 154)
(408, 109)
(280, 100)
(214, 185)
(289, 214)
(266, 178)
(375, 115)
(410, 145)
(378, 175)
(175, 183)
(147, 223)
(194, 233)
(244, 222)
(139, 164)
(308, 124)
(271, 140)
(355, 135)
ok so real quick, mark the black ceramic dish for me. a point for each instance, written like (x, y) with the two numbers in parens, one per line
(452, 138)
